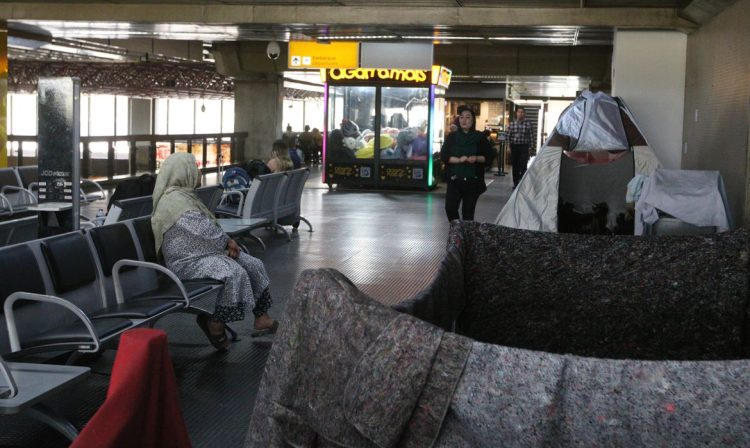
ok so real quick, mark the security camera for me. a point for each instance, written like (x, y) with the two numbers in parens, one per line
(273, 50)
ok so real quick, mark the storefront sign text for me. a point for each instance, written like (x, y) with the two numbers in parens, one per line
(378, 74)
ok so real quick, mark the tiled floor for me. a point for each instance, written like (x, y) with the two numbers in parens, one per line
(388, 243)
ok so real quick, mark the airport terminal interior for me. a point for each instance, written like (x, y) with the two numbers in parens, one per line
(597, 296)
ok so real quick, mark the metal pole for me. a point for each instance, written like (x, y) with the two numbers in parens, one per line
(501, 157)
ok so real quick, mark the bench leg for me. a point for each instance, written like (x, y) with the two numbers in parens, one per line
(280, 227)
(46, 415)
(302, 218)
(256, 238)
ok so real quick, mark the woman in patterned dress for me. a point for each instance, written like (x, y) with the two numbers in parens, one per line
(192, 245)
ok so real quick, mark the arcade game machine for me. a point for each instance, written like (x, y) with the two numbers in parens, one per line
(382, 127)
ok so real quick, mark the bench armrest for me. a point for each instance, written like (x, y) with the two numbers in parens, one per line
(148, 265)
(240, 194)
(9, 381)
(10, 319)
(100, 194)
(29, 196)
(5, 204)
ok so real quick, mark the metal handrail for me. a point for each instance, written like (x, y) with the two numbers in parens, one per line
(236, 141)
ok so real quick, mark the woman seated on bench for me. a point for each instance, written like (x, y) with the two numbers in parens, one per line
(193, 245)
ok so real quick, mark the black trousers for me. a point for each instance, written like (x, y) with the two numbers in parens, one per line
(519, 158)
(465, 193)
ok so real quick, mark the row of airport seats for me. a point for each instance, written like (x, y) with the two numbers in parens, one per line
(15, 197)
(130, 208)
(19, 190)
(77, 293)
(19, 230)
(272, 201)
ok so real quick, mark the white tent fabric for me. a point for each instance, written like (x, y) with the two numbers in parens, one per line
(593, 123)
(535, 198)
(695, 197)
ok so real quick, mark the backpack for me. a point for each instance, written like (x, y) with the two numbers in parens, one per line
(235, 178)
(256, 167)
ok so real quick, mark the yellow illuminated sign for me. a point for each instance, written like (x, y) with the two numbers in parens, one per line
(441, 76)
(311, 54)
(377, 74)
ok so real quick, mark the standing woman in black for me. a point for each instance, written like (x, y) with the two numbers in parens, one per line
(464, 154)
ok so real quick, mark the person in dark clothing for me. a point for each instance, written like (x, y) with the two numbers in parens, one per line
(464, 154)
(521, 134)
(289, 137)
(305, 143)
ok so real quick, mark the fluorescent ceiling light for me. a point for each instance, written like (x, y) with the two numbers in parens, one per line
(364, 37)
(554, 40)
(24, 43)
(83, 52)
(445, 37)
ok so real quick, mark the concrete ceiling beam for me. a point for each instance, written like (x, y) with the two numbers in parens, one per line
(701, 11)
(652, 18)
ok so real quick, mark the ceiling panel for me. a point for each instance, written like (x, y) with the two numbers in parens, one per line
(412, 3)
(542, 35)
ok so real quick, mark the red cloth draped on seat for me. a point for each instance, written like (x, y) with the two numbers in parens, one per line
(142, 408)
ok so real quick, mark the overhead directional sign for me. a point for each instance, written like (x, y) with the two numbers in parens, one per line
(311, 54)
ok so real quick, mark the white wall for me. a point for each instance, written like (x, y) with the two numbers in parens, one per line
(648, 73)
(554, 109)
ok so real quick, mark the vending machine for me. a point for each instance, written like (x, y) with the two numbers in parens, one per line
(382, 127)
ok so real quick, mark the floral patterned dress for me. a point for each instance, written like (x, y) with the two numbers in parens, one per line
(194, 247)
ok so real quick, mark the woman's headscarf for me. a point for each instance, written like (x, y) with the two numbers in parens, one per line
(174, 194)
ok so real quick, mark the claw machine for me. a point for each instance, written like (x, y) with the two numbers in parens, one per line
(382, 127)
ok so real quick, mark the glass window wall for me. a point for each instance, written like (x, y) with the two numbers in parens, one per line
(208, 117)
(122, 115)
(404, 119)
(227, 116)
(351, 117)
(109, 115)
(181, 116)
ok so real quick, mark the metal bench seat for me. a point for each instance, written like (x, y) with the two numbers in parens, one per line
(24, 386)
(171, 291)
(136, 309)
(74, 336)
(258, 209)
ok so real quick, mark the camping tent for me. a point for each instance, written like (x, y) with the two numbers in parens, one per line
(587, 161)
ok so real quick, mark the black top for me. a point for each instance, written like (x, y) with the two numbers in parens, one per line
(483, 149)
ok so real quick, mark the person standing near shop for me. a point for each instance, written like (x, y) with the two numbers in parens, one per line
(521, 136)
(317, 138)
(305, 143)
(464, 154)
(289, 137)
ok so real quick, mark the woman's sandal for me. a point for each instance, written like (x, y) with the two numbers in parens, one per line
(266, 331)
(219, 341)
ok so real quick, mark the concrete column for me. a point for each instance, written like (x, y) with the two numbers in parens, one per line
(258, 111)
(258, 92)
(648, 73)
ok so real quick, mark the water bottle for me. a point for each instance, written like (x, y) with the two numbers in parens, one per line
(99, 220)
